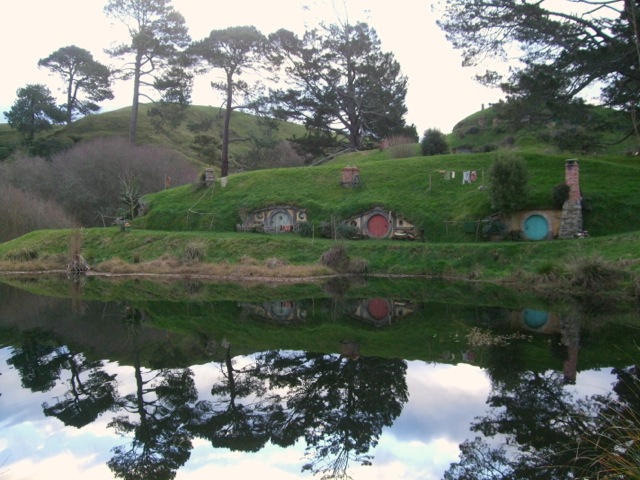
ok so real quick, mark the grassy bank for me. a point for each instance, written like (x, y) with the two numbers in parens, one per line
(109, 250)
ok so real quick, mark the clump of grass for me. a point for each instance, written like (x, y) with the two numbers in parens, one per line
(615, 451)
(194, 252)
(592, 274)
(551, 270)
(273, 263)
(22, 255)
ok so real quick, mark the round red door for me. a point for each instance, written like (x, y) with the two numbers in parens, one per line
(378, 226)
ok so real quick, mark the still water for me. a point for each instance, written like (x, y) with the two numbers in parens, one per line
(381, 380)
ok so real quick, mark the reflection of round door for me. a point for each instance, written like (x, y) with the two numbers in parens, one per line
(280, 218)
(378, 226)
(378, 308)
(536, 227)
(282, 309)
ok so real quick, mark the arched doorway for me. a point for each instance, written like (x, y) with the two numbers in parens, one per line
(536, 227)
(535, 319)
(378, 225)
(281, 218)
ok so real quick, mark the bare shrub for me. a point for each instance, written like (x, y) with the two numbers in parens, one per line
(281, 155)
(358, 266)
(336, 258)
(86, 180)
(77, 264)
(401, 146)
(23, 212)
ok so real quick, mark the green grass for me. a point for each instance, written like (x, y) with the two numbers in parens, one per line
(116, 124)
(412, 187)
(486, 130)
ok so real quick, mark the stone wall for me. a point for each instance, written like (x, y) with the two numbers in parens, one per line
(571, 222)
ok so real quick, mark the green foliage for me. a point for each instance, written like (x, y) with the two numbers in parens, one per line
(560, 195)
(433, 142)
(556, 64)
(158, 36)
(508, 178)
(341, 81)
(34, 111)
(232, 50)
(82, 75)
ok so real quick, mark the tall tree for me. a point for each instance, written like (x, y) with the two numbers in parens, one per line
(34, 110)
(158, 35)
(82, 75)
(564, 46)
(341, 82)
(235, 51)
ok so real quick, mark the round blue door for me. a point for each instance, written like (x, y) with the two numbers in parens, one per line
(536, 227)
(535, 318)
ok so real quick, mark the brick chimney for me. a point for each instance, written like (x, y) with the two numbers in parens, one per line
(571, 222)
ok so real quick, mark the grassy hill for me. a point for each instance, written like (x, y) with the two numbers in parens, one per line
(599, 130)
(116, 124)
(413, 187)
(203, 220)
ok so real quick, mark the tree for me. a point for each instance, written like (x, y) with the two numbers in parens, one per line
(35, 110)
(341, 83)
(433, 142)
(234, 50)
(81, 74)
(158, 35)
(508, 179)
(565, 47)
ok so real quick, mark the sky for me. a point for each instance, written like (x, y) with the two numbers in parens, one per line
(423, 440)
(440, 91)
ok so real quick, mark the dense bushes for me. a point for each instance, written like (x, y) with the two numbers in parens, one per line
(90, 181)
(508, 179)
(23, 212)
(433, 142)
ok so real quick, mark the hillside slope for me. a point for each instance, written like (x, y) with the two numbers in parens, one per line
(415, 188)
(179, 137)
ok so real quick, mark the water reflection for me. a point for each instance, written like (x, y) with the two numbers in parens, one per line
(337, 400)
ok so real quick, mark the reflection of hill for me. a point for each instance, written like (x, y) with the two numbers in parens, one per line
(193, 330)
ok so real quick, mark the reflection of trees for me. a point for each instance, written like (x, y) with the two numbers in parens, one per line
(545, 432)
(91, 392)
(242, 413)
(37, 362)
(40, 364)
(339, 405)
(157, 415)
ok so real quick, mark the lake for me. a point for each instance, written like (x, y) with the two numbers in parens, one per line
(368, 379)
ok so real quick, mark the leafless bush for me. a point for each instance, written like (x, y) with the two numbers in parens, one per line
(336, 258)
(23, 212)
(86, 179)
(401, 146)
(282, 155)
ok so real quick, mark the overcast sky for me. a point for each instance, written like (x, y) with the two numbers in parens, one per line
(440, 92)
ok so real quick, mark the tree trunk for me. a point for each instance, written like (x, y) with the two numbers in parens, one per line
(224, 163)
(133, 122)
